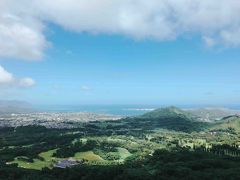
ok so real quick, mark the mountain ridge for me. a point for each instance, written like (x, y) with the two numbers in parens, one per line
(15, 106)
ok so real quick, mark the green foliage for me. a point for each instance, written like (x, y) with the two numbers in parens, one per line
(230, 124)
(177, 164)
(69, 151)
(167, 144)
(170, 118)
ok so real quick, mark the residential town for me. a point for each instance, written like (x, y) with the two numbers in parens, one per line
(53, 119)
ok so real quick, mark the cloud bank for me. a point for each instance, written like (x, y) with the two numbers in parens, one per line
(23, 23)
(8, 80)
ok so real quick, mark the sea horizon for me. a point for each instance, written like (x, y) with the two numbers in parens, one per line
(121, 109)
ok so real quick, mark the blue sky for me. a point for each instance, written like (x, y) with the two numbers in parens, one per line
(120, 52)
(111, 69)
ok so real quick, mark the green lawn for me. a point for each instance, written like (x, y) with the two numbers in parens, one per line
(88, 155)
(37, 164)
(48, 154)
(124, 153)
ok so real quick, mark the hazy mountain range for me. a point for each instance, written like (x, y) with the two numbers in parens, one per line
(211, 114)
(208, 114)
(15, 106)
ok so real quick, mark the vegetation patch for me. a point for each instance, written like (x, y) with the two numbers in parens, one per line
(45, 160)
(88, 155)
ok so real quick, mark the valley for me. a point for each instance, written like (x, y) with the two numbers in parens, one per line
(141, 143)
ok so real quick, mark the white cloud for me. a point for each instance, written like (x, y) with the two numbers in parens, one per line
(22, 22)
(8, 80)
(21, 32)
(20, 40)
(26, 82)
(85, 88)
(210, 42)
(5, 77)
(231, 37)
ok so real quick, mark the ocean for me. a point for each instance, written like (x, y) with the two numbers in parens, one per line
(122, 110)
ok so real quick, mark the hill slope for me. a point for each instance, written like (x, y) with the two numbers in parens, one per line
(229, 124)
(212, 114)
(168, 112)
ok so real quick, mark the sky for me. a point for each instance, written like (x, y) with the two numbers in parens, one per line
(120, 52)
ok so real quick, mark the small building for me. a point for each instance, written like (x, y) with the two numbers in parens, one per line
(67, 163)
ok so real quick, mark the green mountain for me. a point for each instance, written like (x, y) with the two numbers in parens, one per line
(170, 118)
(169, 112)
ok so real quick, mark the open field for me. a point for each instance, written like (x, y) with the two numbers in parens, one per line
(37, 164)
(88, 155)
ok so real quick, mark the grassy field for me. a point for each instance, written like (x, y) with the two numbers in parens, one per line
(49, 161)
(88, 155)
(48, 154)
(36, 164)
(124, 153)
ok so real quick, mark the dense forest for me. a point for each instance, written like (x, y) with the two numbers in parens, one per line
(179, 164)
